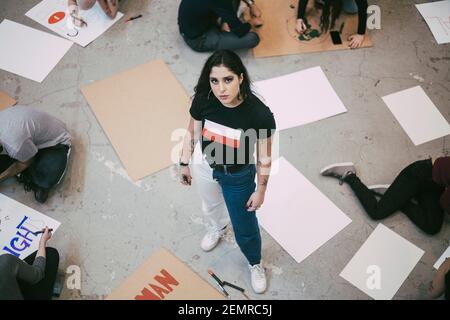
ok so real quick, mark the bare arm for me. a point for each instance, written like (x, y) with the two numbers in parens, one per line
(190, 139)
(263, 166)
(437, 286)
(14, 169)
(188, 143)
(264, 163)
(33, 274)
(71, 3)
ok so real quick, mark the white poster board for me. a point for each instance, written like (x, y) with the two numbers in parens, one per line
(300, 98)
(28, 52)
(441, 260)
(296, 214)
(417, 115)
(54, 15)
(382, 264)
(18, 223)
(437, 16)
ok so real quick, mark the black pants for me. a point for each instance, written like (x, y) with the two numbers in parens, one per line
(47, 168)
(215, 39)
(43, 290)
(413, 192)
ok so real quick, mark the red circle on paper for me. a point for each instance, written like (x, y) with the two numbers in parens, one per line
(56, 17)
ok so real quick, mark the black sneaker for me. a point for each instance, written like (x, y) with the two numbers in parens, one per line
(41, 195)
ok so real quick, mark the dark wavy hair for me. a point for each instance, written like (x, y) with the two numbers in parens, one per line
(230, 60)
(333, 8)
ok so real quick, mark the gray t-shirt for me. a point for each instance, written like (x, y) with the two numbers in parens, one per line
(13, 269)
(25, 130)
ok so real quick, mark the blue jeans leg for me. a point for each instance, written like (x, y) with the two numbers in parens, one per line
(237, 189)
(350, 6)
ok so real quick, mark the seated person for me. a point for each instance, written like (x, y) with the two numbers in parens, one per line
(35, 147)
(33, 278)
(197, 22)
(421, 191)
(110, 7)
(331, 10)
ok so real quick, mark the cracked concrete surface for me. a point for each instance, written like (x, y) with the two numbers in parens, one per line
(110, 225)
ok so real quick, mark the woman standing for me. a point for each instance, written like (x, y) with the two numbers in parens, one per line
(229, 120)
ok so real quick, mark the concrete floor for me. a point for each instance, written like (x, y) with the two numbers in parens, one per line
(110, 225)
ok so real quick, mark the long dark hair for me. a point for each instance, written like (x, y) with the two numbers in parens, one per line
(333, 7)
(230, 60)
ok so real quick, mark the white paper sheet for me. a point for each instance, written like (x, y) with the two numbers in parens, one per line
(417, 115)
(437, 16)
(53, 14)
(382, 264)
(17, 226)
(300, 98)
(445, 255)
(28, 52)
(296, 214)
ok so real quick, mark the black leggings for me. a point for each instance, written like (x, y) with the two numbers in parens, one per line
(47, 168)
(413, 192)
(43, 290)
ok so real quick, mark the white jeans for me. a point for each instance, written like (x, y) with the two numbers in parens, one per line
(213, 203)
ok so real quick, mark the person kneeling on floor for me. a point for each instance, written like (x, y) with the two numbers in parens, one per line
(34, 147)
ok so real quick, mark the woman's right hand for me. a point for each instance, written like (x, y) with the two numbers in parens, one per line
(301, 26)
(45, 237)
(185, 174)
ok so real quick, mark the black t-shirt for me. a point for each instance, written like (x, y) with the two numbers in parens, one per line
(229, 135)
(196, 17)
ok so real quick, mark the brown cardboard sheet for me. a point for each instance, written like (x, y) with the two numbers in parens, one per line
(164, 277)
(279, 37)
(139, 109)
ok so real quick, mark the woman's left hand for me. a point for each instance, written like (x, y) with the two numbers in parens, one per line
(255, 202)
(356, 41)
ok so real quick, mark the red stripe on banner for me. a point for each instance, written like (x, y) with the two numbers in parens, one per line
(212, 136)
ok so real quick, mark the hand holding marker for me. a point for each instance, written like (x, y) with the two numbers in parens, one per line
(42, 231)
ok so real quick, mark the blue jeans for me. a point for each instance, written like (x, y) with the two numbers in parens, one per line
(237, 189)
(350, 6)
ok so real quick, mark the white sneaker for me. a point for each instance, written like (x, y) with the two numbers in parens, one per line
(339, 171)
(212, 238)
(379, 188)
(258, 276)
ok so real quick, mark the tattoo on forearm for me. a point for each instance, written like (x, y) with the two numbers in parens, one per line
(264, 182)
